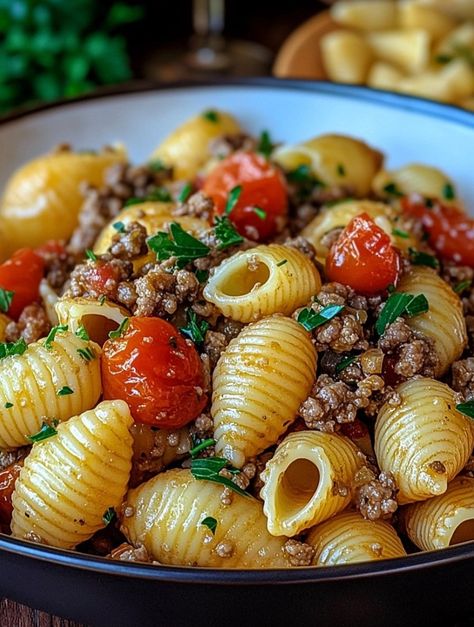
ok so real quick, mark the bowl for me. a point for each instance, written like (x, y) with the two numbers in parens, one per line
(427, 588)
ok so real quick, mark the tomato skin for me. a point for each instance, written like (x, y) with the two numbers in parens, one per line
(263, 186)
(99, 274)
(51, 247)
(156, 372)
(363, 257)
(8, 477)
(22, 274)
(450, 232)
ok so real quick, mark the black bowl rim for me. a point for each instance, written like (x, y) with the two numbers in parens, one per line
(187, 575)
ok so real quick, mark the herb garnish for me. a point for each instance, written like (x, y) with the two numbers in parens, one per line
(102, 299)
(400, 233)
(177, 243)
(226, 233)
(119, 227)
(90, 254)
(87, 354)
(185, 192)
(6, 297)
(466, 408)
(282, 263)
(13, 348)
(114, 335)
(392, 190)
(310, 320)
(201, 446)
(108, 516)
(46, 431)
(82, 333)
(265, 144)
(345, 361)
(195, 329)
(202, 275)
(156, 165)
(305, 179)
(400, 303)
(8, 405)
(65, 391)
(448, 192)
(159, 194)
(419, 258)
(210, 523)
(232, 198)
(208, 468)
(341, 170)
(462, 285)
(52, 334)
(211, 116)
(261, 213)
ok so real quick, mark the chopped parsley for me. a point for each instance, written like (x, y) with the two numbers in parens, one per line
(466, 408)
(226, 233)
(282, 263)
(310, 319)
(159, 194)
(232, 198)
(265, 145)
(202, 275)
(108, 516)
(442, 59)
(195, 329)
(87, 354)
(102, 299)
(211, 116)
(156, 165)
(392, 190)
(304, 179)
(119, 227)
(114, 335)
(208, 469)
(210, 523)
(462, 285)
(52, 334)
(13, 348)
(400, 233)
(448, 192)
(65, 391)
(46, 431)
(8, 405)
(90, 254)
(6, 297)
(261, 213)
(341, 170)
(397, 304)
(345, 361)
(201, 446)
(419, 258)
(177, 243)
(82, 333)
(185, 192)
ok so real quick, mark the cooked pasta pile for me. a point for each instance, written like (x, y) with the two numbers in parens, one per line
(240, 354)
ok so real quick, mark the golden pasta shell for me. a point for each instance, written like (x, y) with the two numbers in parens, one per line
(42, 199)
(30, 384)
(348, 538)
(444, 322)
(444, 520)
(424, 441)
(168, 512)
(308, 480)
(70, 480)
(414, 178)
(186, 150)
(4, 320)
(262, 281)
(259, 382)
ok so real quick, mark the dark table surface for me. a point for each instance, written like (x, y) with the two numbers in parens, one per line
(16, 615)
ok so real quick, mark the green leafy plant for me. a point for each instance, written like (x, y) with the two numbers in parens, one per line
(51, 49)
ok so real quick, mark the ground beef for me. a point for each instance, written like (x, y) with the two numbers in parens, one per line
(463, 377)
(298, 553)
(58, 266)
(160, 292)
(131, 243)
(225, 549)
(413, 352)
(225, 145)
(32, 325)
(260, 462)
(10, 457)
(374, 496)
(128, 553)
(454, 275)
(331, 237)
(214, 344)
(469, 467)
(229, 328)
(197, 206)
(84, 282)
(303, 245)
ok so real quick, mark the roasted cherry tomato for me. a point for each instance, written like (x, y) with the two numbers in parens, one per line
(156, 372)
(101, 277)
(8, 476)
(450, 232)
(21, 274)
(51, 247)
(262, 205)
(363, 257)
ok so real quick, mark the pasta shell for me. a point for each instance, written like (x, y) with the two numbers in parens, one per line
(415, 178)
(308, 480)
(168, 514)
(261, 281)
(71, 479)
(424, 441)
(259, 382)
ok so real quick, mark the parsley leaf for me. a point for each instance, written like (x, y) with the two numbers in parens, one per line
(6, 297)
(304, 179)
(82, 333)
(119, 227)
(177, 243)
(448, 192)
(52, 334)
(108, 516)
(418, 305)
(419, 258)
(265, 145)
(345, 361)
(159, 194)
(208, 468)
(185, 192)
(310, 320)
(397, 304)
(46, 431)
(462, 285)
(392, 190)
(400, 233)
(232, 198)
(195, 330)
(156, 165)
(226, 233)
(87, 354)
(90, 254)
(341, 170)
(202, 275)
(201, 446)
(13, 348)
(114, 335)
(65, 391)
(211, 116)
(259, 212)
(282, 263)
(466, 408)
(8, 405)
(210, 523)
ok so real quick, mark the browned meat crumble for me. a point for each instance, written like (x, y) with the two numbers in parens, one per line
(374, 496)
(298, 553)
(32, 325)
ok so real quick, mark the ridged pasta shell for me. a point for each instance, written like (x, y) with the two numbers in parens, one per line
(70, 480)
(31, 382)
(443, 520)
(413, 178)
(444, 322)
(259, 382)
(424, 441)
(42, 199)
(168, 511)
(308, 480)
(4, 320)
(348, 538)
(262, 281)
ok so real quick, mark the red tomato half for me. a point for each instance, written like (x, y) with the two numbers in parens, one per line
(363, 257)
(450, 232)
(22, 274)
(263, 187)
(8, 477)
(156, 372)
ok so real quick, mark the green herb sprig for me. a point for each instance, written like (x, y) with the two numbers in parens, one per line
(397, 304)
(232, 199)
(201, 446)
(122, 328)
(467, 409)
(210, 523)
(311, 319)
(420, 258)
(59, 328)
(6, 297)
(195, 329)
(208, 468)
(226, 233)
(109, 516)
(46, 431)
(177, 243)
(7, 349)
(65, 391)
(265, 145)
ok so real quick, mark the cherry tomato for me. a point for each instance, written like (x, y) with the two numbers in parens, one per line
(52, 247)
(102, 277)
(354, 430)
(450, 232)
(262, 205)
(363, 257)
(21, 274)
(156, 372)
(8, 476)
